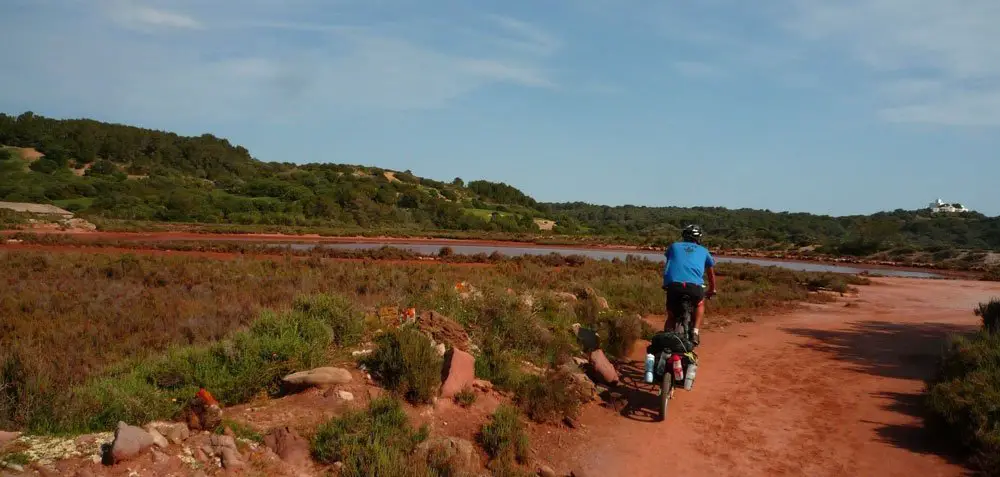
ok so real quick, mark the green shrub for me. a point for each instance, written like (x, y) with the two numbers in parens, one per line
(465, 397)
(339, 313)
(376, 441)
(618, 330)
(549, 398)
(504, 437)
(990, 314)
(406, 363)
(240, 430)
(963, 397)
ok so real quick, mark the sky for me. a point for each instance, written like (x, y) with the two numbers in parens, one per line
(832, 107)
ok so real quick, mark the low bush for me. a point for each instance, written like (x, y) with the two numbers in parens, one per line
(549, 398)
(504, 438)
(963, 397)
(340, 314)
(405, 362)
(375, 441)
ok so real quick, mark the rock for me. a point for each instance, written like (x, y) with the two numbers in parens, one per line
(603, 367)
(231, 459)
(345, 395)
(572, 422)
(290, 447)
(460, 453)
(564, 296)
(528, 300)
(361, 352)
(482, 385)
(588, 339)
(129, 442)
(319, 377)
(175, 432)
(603, 303)
(159, 457)
(440, 349)
(577, 473)
(203, 412)
(229, 432)
(546, 471)
(84, 473)
(222, 442)
(442, 329)
(459, 372)
(6, 437)
(158, 438)
(338, 466)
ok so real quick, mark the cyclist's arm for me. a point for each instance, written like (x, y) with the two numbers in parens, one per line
(710, 271)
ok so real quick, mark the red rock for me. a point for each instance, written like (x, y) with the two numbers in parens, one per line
(460, 372)
(6, 437)
(603, 367)
(289, 446)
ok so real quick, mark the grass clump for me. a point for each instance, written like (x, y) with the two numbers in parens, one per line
(504, 438)
(340, 314)
(405, 362)
(551, 397)
(240, 430)
(375, 441)
(465, 397)
(964, 396)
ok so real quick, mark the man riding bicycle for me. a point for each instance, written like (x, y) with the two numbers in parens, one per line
(684, 276)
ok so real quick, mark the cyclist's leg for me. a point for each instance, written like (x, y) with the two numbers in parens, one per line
(668, 324)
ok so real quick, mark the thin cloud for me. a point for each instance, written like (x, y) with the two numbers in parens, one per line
(527, 36)
(131, 15)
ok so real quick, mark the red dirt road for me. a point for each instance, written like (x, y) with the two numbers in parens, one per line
(828, 391)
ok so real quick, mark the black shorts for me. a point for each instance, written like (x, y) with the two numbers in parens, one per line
(678, 292)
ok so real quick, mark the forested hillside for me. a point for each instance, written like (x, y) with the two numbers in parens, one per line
(116, 171)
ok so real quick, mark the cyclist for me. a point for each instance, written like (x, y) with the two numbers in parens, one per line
(684, 275)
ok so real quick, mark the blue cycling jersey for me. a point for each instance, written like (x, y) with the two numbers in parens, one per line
(686, 263)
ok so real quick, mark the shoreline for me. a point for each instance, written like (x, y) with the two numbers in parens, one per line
(178, 236)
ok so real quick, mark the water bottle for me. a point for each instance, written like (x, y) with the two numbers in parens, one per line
(650, 360)
(689, 377)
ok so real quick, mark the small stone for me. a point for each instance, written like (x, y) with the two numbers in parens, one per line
(603, 303)
(159, 457)
(84, 473)
(338, 465)
(175, 432)
(200, 455)
(546, 471)
(588, 339)
(320, 377)
(482, 385)
(572, 423)
(361, 352)
(440, 349)
(129, 442)
(579, 361)
(158, 438)
(345, 395)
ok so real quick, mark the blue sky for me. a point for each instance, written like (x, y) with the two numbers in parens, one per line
(842, 107)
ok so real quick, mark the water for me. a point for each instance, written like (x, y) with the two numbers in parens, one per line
(428, 249)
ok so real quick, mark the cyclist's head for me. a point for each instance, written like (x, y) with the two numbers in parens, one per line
(692, 233)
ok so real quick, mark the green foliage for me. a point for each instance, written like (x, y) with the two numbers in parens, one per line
(240, 430)
(465, 397)
(340, 314)
(964, 396)
(6, 154)
(407, 364)
(504, 437)
(376, 441)
(549, 398)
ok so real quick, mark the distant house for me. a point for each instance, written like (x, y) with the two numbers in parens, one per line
(939, 207)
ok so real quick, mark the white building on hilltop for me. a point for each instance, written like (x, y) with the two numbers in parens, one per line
(941, 207)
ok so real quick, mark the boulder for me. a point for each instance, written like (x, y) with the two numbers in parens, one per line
(459, 372)
(589, 339)
(319, 377)
(603, 367)
(6, 437)
(175, 432)
(225, 447)
(602, 303)
(442, 329)
(564, 296)
(158, 438)
(345, 395)
(459, 453)
(290, 447)
(130, 441)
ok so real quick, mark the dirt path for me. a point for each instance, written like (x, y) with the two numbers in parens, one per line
(829, 391)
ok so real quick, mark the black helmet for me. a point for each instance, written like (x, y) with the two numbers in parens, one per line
(692, 233)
